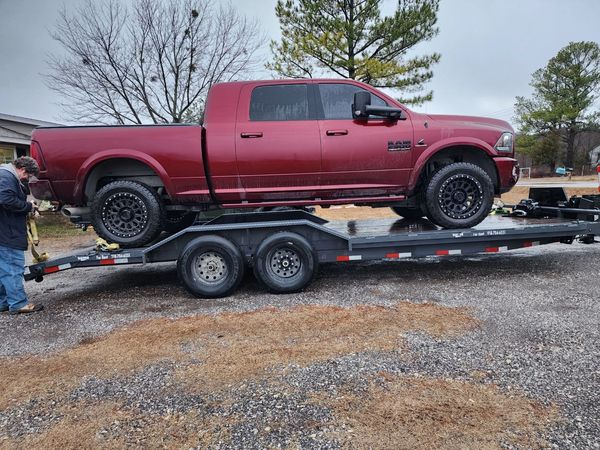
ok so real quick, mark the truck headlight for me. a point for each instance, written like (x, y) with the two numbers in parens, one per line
(505, 143)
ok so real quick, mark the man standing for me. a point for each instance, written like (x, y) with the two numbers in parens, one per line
(14, 208)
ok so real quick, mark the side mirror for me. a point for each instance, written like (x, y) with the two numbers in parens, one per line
(362, 99)
(362, 109)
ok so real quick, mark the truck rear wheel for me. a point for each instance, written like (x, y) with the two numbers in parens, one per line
(210, 267)
(128, 213)
(459, 195)
(285, 262)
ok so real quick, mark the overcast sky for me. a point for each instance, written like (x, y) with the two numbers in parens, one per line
(489, 49)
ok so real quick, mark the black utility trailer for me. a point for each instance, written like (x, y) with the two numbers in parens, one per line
(284, 248)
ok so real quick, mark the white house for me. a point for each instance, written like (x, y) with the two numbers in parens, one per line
(15, 135)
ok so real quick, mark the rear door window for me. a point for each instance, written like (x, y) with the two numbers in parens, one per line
(279, 102)
(337, 100)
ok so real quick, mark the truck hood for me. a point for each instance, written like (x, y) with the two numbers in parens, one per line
(483, 122)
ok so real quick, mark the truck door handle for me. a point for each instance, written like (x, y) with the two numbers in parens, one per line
(256, 134)
(336, 132)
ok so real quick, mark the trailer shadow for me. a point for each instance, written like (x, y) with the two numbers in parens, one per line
(156, 288)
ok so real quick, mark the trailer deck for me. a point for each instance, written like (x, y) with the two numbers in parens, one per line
(285, 247)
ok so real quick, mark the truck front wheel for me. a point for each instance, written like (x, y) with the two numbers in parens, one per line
(408, 213)
(285, 262)
(127, 213)
(459, 195)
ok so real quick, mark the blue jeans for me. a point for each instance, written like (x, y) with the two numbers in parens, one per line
(12, 291)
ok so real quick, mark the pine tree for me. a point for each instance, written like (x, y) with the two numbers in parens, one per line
(564, 95)
(351, 39)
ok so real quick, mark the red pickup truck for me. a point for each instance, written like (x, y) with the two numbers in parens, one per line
(276, 143)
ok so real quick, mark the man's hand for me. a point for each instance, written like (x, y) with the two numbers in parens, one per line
(35, 212)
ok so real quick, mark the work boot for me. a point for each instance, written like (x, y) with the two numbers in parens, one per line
(28, 308)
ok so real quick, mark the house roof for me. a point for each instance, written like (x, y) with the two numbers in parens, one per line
(26, 120)
(13, 137)
(17, 130)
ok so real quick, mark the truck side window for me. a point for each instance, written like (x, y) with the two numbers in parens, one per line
(337, 100)
(279, 102)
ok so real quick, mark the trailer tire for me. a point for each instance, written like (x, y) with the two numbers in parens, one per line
(128, 213)
(285, 262)
(210, 267)
(459, 195)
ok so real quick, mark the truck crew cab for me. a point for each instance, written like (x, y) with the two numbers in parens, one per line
(277, 143)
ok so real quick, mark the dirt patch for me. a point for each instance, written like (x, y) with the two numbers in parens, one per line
(108, 425)
(425, 413)
(235, 349)
(557, 179)
(217, 355)
(232, 346)
(355, 213)
(518, 193)
(60, 245)
(364, 212)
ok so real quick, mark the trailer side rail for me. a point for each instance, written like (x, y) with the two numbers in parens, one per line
(331, 245)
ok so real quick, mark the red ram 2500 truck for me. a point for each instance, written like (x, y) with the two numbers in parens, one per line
(277, 143)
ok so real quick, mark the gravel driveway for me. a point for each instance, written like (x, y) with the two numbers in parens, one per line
(539, 332)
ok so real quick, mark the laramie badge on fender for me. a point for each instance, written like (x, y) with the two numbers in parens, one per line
(399, 146)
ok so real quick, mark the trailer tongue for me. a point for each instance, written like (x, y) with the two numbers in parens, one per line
(284, 248)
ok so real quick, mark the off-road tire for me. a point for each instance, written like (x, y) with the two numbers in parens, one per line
(128, 213)
(179, 220)
(459, 195)
(210, 267)
(408, 213)
(285, 262)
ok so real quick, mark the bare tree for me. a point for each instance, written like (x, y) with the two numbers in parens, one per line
(153, 62)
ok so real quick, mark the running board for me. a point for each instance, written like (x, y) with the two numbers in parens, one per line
(335, 201)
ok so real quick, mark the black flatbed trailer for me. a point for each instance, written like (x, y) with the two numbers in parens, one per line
(284, 248)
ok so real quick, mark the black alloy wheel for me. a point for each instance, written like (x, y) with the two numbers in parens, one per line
(459, 195)
(128, 213)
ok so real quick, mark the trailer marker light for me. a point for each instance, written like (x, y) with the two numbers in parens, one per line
(349, 258)
(495, 249)
(51, 269)
(107, 262)
(398, 255)
(447, 252)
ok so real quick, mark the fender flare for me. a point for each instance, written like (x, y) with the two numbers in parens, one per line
(437, 147)
(91, 162)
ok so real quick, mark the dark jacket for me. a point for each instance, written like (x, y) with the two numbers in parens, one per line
(13, 210)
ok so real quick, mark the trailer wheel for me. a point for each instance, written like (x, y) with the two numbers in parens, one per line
(210, 267)
(285, 262)
(459, 195)
(128, 213)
